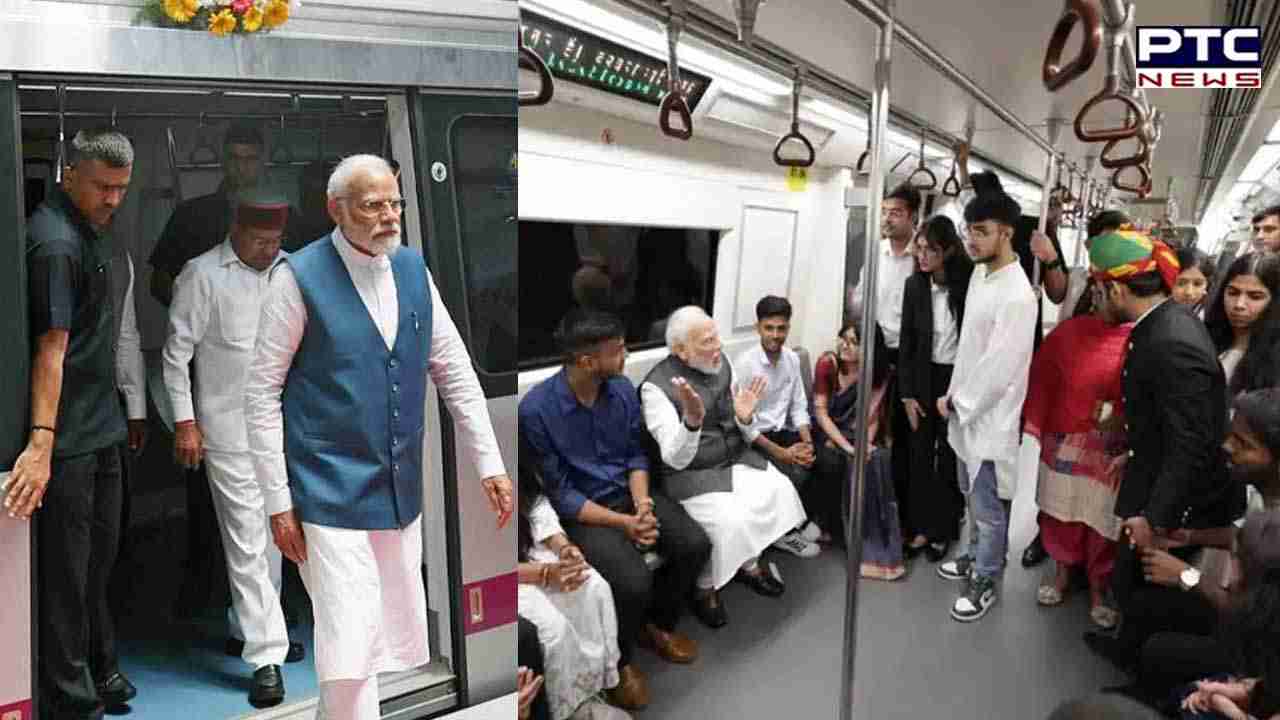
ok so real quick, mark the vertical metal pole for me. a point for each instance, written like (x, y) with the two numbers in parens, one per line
(877, 127)
(1050, 164)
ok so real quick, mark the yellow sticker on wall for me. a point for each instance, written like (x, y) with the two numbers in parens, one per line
(797, 179)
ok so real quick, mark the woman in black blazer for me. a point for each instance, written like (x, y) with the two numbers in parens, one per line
(932, 310)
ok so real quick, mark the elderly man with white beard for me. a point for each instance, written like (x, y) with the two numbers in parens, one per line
(351, 327)
(699, 418)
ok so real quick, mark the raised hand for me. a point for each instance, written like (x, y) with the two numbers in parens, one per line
(746, 399)
(691, 406)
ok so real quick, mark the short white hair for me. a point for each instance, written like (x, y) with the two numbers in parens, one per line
(681, 322)
(352, 167)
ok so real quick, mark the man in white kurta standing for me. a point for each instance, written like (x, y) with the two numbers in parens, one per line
(334, 406)
(214, 318)
(983, 404)
(699, 417)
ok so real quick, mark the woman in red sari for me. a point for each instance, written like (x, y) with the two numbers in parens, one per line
(1074, 374)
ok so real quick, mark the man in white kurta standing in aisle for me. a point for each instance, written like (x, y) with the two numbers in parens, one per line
(334, 405)
(983, 404)
(214, 318)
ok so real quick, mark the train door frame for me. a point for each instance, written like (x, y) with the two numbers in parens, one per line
(486, 581)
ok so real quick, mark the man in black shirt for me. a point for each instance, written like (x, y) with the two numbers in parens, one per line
(72, 458)
(199, 224)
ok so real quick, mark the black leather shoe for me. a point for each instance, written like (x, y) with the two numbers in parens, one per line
(709, 609)
(268, 687)
(297, 651)
(763, 583)
(1110, 648)
(116, 690)
(936, 551)
(1034, 554)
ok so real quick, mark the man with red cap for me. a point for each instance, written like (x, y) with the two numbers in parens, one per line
(214, 318)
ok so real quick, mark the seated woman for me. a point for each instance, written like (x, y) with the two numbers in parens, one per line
(1182, 645)
(1076, 371)
(572, 607)
(837, 377)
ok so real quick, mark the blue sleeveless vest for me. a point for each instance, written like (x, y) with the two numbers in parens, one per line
(353, 411)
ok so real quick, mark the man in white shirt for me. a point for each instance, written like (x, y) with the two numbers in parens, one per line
(898, 213)
(699, 416)
(334, 406)
(983, 404)
(214, 318)
(782, 427)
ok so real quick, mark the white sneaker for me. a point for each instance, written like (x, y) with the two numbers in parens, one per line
(810, 531)
(793, 543)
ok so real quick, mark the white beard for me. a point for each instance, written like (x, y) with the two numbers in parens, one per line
(706, 368)
(385, 247)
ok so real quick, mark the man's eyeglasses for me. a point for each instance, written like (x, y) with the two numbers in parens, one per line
(894, 212)
(376, 207)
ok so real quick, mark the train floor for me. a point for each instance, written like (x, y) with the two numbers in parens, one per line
(171, 624)
(781, 658)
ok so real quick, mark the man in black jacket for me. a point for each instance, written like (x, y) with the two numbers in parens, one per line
(1175, 420)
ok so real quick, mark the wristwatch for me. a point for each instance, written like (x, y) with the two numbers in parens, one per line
(1057, 263)
(1189, 579)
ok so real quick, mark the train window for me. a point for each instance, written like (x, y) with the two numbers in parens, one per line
(640, 273)
(484, 149)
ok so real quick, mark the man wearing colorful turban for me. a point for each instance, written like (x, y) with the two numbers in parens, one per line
(1174, 396)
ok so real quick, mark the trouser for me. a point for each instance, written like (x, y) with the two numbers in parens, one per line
(1149, 609)
(988, 520)
(1170, 660)
(900, 451)
(797, 474)
(934, 500)
(826, 496)
(78, 535)
(253, 560)
(639, 594)
(529, 654)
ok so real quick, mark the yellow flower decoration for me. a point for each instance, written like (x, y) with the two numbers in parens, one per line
(277, 13)
(222, 23)
(252, 20)
(181, 10)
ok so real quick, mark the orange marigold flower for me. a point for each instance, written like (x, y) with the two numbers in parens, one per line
(222, 23)
(277, 13)
(181, 10)
(252, 20)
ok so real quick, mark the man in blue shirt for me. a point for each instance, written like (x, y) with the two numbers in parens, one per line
(584, 426)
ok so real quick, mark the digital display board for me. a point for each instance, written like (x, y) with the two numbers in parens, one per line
(580, 57)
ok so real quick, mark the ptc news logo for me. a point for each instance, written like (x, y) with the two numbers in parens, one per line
(1199, 57)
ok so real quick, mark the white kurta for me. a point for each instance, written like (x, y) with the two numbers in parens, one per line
(762, 507)
(578, 630)
(214, 319)
(989, 383)
(366, 586)
(131, 373)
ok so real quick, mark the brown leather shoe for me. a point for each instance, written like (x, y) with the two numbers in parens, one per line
(632, 692)
(670, 646)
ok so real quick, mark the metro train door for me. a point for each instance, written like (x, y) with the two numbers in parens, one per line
(16, 584)
(465, 152)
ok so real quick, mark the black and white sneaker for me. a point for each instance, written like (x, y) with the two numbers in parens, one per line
(976, 600)
(958, 568)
